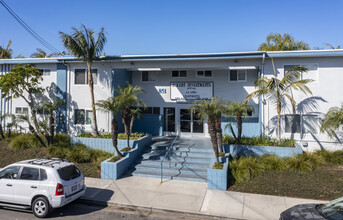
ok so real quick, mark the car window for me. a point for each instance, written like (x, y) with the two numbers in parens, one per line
(69, 172)
(43, 175)
(10, 173)
(29, 173)
(333, 210)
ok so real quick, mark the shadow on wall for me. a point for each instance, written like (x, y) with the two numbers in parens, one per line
(251, 126)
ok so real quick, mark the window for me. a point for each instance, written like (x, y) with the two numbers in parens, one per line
(81, 77)
(83, 116)
(312, 72)
(151, 110)
(179, 73)
(204, 73)
(149, 76)
(292, 123)
(45, 72)
(10, 173)
(238, 75)
(21, 110)
(43, 175)
(69, 172)
(29, 173)
(249, 113)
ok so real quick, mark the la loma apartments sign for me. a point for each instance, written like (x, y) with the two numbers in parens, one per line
(190, 91)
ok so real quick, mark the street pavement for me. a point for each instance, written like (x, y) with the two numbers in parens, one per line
(184, 197)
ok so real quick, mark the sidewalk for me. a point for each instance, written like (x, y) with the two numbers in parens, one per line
(186, 196)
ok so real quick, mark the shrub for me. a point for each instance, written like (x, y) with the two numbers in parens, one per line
(133, 136)
(114, 159)
(218, 166)
(221, 154)
(24, 141)
(259, 140)
(126, 149)
(62, 138)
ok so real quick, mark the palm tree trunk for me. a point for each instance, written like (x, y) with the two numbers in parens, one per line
(52, 128)
(91, 87)
(279, 120)
(115, 136)
(212, 131)
(1, 132)
(126, 118)
(131, 122)
(219, 135)
(233, 132)
(239, 127)
(32, 130)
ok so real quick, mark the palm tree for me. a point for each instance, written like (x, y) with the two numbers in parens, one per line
(82, 44)
(279, 42)
(238, 110)
(136, 112)
(11, 124)
(127, 100)
(281, 90)
(40, 54)
(2, 136)
(208, 109)
(332, 120)
(6, 53)
(332, 47)
(111, 105)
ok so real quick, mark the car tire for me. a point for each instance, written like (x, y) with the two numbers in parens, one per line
(41, 207)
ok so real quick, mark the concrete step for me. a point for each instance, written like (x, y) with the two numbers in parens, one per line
(152, 156)
(181, 153)
(183, 148)
(174, 163)
(169, 175)
(175, 170)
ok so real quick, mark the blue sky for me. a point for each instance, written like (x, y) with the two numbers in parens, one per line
(174, 26)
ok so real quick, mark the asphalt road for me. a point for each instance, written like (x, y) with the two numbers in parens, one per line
(83, 211)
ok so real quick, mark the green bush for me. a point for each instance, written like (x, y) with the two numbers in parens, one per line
(133, 136)
(218, 166)
(114, 159)
(61, 138)
(24, 141)
(259, 140)
(126, 149)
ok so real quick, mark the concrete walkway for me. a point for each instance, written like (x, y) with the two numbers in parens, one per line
(187, 196)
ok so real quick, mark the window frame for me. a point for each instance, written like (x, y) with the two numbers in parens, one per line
(204, 76)
(179, 76)
(22, 112)
(21, 173)
(149, 72)
(44, 71)
(85, 117)
(245, 75)
(95, 78)
(285, 127)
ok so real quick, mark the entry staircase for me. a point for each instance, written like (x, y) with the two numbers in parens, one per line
(189, 159)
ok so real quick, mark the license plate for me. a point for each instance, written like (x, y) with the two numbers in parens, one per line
(73, 188)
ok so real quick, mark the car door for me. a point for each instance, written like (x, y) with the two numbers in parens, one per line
(8, 177)
(26, 186)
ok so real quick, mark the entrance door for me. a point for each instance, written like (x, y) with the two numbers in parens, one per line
(190, 122)
(169, 120)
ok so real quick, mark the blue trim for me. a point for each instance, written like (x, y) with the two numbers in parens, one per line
(304, 53)
(62, 94)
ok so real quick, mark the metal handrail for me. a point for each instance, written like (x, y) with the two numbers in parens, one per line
(168, 154)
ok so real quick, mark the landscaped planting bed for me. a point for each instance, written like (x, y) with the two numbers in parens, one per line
(259, 140)
(88, 160)
(321, 184)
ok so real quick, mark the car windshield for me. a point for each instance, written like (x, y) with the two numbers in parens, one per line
(69, 172)
(332, 210)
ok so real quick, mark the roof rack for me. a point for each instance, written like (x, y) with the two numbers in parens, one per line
(47, 161)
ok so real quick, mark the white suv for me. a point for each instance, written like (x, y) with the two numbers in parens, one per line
(40, 185)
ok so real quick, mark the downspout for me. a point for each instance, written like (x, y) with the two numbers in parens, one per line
(262, 103)
(67, 93)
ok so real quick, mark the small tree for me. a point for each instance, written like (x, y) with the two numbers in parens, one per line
(82, 44)
(238, 110)
(40, 54)
(128, 99)
(23, 82)
(280, 90)
(332, 120)
(111, 105)
(209, 109)
(6, 53)
(25, 118)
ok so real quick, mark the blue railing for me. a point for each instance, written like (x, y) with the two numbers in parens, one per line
(168, 154)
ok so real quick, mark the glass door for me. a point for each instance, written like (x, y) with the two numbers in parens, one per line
(169, 119)
(190, 122)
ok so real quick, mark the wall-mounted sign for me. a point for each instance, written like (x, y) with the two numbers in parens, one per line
(190, 91)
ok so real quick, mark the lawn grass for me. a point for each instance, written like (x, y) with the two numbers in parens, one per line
(9, 155)
(321, 184)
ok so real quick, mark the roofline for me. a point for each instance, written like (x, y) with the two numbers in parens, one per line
(200, 56)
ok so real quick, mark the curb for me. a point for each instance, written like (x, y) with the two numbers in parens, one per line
(112, 204)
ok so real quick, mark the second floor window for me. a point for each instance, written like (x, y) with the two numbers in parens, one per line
(148, 76)
(81, 76)
(83, 116)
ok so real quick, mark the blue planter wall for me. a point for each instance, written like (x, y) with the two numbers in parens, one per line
(217, 179)
(114, 170)
(246, 150)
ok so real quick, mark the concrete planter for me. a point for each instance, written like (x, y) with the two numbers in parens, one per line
(105, 144)
(217, 179)
(114, 170)
(255, 150)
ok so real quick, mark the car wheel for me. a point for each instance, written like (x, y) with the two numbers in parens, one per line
(40, 207)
